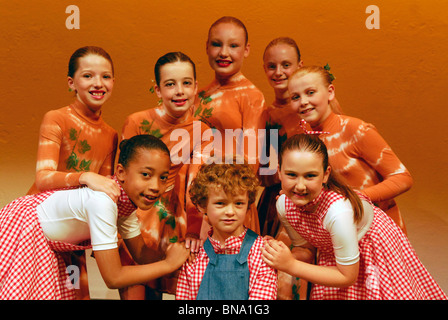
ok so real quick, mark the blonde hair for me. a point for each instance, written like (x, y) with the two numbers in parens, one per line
(326, 77)
(232, 178)
(283, 40)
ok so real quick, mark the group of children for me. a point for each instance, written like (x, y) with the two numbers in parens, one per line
(193, 228)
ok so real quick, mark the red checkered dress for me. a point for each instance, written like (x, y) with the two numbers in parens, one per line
(262, 278)
(30, 266)
(389, 267)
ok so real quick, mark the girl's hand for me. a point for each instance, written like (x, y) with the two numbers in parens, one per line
(193, 244)
(176, 255)
(277, 255)
(98, 182)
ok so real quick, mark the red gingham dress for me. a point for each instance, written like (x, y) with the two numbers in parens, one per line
(30, 266)
(389, 268)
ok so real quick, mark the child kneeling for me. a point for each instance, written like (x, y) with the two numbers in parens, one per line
(229, 266)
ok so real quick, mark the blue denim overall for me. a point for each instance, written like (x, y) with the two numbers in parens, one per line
(227, 275)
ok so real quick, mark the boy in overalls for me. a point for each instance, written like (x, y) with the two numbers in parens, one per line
(229, 266)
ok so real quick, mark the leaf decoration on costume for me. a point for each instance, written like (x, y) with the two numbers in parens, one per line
(72, 161)
(171, 221)
(73, 134)
(85, 165)
(163, 204)
(83, 147)
(202, 112)
(174, 239)
(295, 290)
(146, 128)
(162, 213)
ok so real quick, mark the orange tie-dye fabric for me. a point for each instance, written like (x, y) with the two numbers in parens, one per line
(173, 216)
(363, 158)
(236, 105)
(70, 144)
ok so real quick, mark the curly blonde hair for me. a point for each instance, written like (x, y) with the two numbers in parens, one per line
(231, 178)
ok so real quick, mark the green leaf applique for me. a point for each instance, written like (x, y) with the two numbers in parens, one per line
(146, 128)
(171, 221)
(83, 147)
(173, 239)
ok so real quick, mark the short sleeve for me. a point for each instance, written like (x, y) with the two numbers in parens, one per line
(128, 226)
(102, 217)
(339, 222)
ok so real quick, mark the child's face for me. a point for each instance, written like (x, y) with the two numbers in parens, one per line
(93, 81)
(310, 98)
(226, 213)
(280, 61)
(177, 87)
(144, 180)
(302, 176)
(226, 49)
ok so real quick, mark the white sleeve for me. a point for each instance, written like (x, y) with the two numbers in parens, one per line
(102, 219)
(129, 227)
(295, 237)
(340, 224)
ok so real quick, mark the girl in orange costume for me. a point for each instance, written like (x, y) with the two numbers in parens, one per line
(231, 101)
(357, 151)
(76, 147)
(174, 217)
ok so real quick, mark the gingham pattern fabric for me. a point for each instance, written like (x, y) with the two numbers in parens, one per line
(262, 278)
(30, 266)
(389, 267)
(303, 125)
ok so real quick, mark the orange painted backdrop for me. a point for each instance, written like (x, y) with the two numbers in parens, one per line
(395, 77)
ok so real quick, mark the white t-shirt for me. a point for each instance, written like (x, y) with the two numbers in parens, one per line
(76, 215)
(339, 222)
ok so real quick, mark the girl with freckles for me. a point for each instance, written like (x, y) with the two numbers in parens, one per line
(363, 254)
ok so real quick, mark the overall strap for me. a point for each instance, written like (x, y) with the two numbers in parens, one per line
(210, 252)
(248, 241)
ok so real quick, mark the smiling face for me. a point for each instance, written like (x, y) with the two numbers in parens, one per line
(226, 213)
(145, 176)
(310, 97)
(177, 88)
(302, 176)
(93, 82)
(226, 49)
(279, 62)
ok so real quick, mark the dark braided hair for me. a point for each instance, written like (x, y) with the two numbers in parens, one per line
(130, 147)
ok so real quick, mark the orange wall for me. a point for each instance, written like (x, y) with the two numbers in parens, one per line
(393, 77)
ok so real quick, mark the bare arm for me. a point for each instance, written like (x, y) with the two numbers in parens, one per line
(277, 255)
(117, 276)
